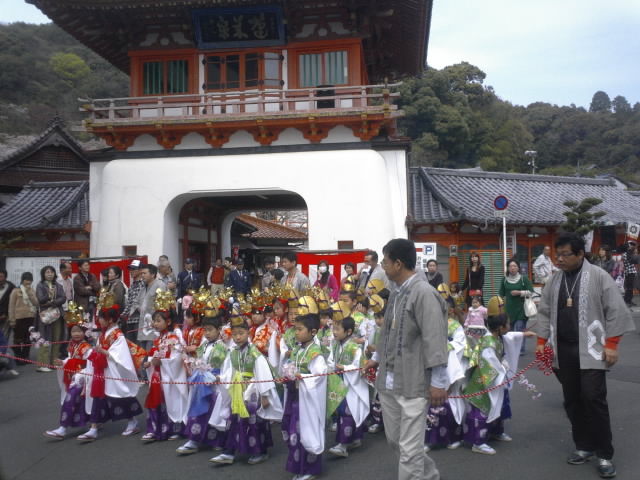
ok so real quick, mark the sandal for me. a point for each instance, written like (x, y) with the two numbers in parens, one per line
(53, 434)
(148, 437)
(85, 437)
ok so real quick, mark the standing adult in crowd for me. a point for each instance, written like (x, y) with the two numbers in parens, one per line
(6, 287)
(434, 277)
(293, 277)
(327, 281)
(146, 304)
(604, 259)
(514, 288)
(411, 355)
(584, 337)
(116, 286)
(66, 280)
(543, 267)
(166, 275)
(188, 279)
(267, 276)
(50, 297)
(239, 279)
(630, 259)
(130, 317)
(85, 288)
(474, 278)
(216, 276)
(23, 306)
(372, 270)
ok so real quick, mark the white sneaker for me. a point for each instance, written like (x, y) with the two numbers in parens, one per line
(43, 369)
(484, 449)
(13, 372)
(427, 449)
(223, 458)
(339, 450)
(454, 445)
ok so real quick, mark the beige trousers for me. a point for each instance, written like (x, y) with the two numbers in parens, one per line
(404, 425)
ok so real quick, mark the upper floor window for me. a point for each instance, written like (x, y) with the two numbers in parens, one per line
(325, 68)
(165, 77)
(242, 71)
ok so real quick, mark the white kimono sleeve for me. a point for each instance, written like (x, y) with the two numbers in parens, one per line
(358, 393)
(313, 405)
(496, 396)
(273, 352)
(176, 395)
(512, 342)
(222, 408)
(120, 366)
(262, 372)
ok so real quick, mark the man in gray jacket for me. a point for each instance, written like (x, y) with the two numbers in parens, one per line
(583, 317)
(146, 304)
(412, 358)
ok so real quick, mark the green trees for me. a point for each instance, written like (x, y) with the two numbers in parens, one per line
(579, 217)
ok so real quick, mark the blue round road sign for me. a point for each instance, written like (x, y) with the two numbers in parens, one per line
(501, 202)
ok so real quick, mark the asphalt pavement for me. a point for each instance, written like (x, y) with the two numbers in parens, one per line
(29, 405)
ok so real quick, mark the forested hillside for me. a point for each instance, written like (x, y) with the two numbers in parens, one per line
(452, 117)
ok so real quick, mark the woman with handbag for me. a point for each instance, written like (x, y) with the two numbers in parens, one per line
(51, 297)
(515, 289)
(23, 306)
(474, 278)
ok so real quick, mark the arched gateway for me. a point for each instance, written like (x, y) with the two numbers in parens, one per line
(242, 98)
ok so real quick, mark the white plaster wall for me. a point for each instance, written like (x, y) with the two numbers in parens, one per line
(137, 201)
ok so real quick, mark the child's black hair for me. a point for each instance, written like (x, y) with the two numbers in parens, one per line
(494, 322)
(351, 294)
(348, 323)
(311, 321)
(112, 314)
(365, 302)
(326, 313)
(215, 322)
(381, 312)
(169, 316)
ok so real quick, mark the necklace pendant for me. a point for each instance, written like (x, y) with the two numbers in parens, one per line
(569, 302)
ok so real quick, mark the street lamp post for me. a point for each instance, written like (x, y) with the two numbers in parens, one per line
(531, 155)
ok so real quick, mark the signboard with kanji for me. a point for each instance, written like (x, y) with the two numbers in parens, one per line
(238, 27)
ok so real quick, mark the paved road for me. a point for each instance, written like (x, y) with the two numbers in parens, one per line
(28, 406)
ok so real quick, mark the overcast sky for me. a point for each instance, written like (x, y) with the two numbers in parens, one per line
(556, 51)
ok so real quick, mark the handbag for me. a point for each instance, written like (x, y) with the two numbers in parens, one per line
(49, 315)
(530, 309)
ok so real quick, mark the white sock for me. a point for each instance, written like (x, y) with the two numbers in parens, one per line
(93, 432)
(61, 430)
(191, 444)
(133, 423)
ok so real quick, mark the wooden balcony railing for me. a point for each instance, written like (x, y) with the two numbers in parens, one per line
(240, 105)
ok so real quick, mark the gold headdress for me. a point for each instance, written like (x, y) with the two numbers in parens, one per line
(376, 303)
(200, 299)
(307, 305)
(349, 284)
(106, 299)
(74, 314)
(444, 290)
(375, 285)
(322, 299)
(340, 311)
(495, 306)
(164, 301)
(292, 297)
(237, 318)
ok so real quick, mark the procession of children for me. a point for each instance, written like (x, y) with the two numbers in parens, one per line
(233, 367)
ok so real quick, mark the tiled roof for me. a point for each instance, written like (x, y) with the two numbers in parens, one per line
(268, 229)
(47, 206)
(439, 195)
(55, 134)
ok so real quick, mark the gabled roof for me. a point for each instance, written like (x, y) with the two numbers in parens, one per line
(55, 134)
(47, 206)
(438, 195)
(268, 229)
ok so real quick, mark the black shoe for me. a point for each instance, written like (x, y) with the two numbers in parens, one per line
(606, 468)
(579, 457)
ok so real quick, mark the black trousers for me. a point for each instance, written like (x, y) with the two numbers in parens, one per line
(585, 401)
(629, 280)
